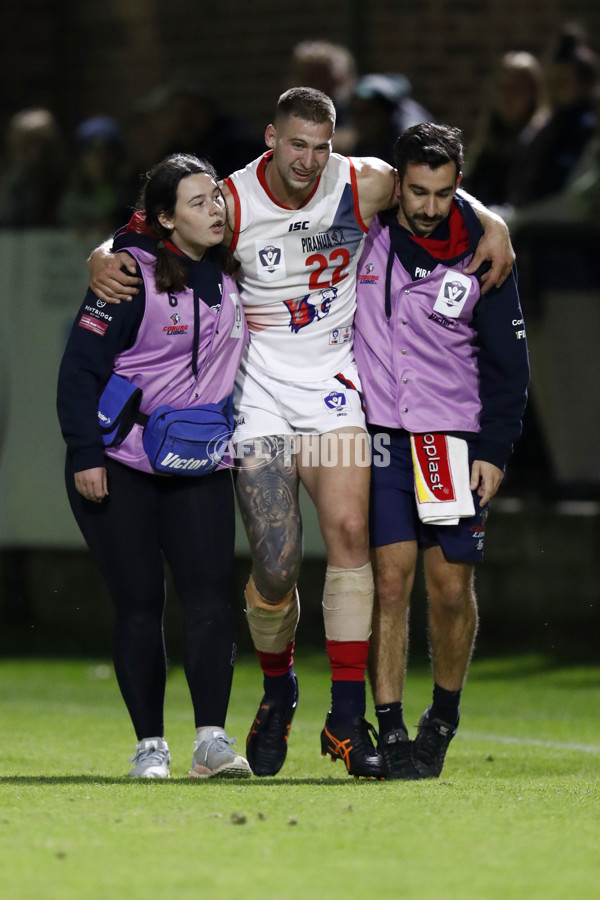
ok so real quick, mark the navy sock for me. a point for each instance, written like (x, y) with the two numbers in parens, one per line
(445, 705)
(348, 700)
(390, 717)
(281, 688)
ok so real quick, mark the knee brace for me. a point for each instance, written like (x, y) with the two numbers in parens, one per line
(348, 603)
(272, 625)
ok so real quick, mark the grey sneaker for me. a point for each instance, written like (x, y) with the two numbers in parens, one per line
(214, 756)
(151, 760)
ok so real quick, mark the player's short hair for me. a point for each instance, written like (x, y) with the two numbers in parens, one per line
(305, 103)
(430, 145)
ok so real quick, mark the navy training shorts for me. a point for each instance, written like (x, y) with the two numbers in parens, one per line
(393, 515)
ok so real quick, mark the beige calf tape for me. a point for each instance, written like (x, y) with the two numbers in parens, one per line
(348, 603)
(272, 625)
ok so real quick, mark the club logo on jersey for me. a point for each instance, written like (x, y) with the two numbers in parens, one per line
(337, 403)
(453, 294)
(175, 328)
(366, 276)
(332, 238)
(302, 312)
(270, 258)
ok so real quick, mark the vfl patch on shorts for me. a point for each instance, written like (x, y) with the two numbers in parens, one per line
(337, 403)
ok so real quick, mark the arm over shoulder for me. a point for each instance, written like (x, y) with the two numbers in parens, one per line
(376, 181)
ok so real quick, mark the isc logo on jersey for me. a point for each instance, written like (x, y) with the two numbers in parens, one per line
(453, 294)
(270, 261)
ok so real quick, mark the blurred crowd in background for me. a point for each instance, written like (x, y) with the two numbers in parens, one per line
(534, 155)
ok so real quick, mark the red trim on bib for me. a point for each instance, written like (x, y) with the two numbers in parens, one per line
(354, 183)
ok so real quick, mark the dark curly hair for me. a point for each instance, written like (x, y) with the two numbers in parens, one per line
(429, 144)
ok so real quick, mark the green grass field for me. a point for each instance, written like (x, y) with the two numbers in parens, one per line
(515, 814)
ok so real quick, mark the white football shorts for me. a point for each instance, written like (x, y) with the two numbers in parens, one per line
(267, 406)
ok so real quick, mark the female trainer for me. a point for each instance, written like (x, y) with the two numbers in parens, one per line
(142, 486)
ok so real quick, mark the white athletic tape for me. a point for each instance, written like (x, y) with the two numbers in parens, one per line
(348, 603)
(272, 626)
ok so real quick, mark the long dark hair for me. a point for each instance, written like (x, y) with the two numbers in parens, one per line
(159, 195)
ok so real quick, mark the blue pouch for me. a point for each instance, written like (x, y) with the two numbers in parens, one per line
(189, 441)
(118, 409)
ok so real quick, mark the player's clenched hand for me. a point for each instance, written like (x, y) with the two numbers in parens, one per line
(92, 484)
(494, 247)
(107, 280)
(485, 479)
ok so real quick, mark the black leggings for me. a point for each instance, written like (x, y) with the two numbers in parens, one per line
(192, 521)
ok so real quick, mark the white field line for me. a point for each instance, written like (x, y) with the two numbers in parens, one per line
(533, 742)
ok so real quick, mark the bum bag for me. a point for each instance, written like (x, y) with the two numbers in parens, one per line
(118, 409)
(188, 442)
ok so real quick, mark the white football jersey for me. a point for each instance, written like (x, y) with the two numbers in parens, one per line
(298, 270)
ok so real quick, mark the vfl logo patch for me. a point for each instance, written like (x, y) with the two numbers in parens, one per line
(270, 258)
(302, 313)
(270, 261)
(453, 294)
(336, 402)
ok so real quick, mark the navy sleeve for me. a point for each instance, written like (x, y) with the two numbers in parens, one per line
(100, 332)
(503, 371)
